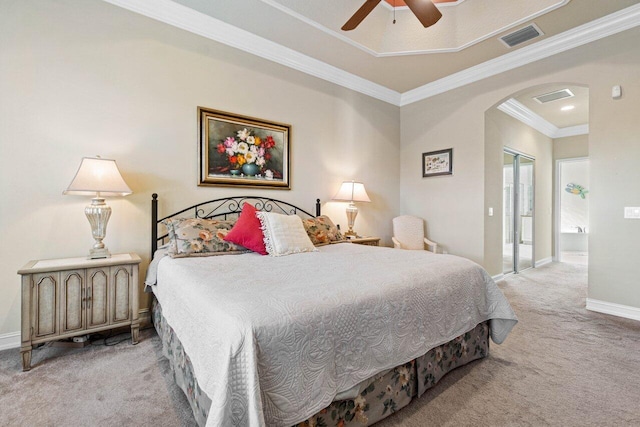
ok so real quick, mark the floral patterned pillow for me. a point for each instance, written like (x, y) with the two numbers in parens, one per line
(200, 237)
(322, 230)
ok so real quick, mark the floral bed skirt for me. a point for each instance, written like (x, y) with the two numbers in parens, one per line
(381, 397)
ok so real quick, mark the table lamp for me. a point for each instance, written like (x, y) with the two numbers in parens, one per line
(351, 191)
(98, 177)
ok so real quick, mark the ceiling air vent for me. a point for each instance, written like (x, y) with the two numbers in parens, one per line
(553, 96)
(522, 35)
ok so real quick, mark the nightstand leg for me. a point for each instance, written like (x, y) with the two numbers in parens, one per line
(135, 330)
(26, 360)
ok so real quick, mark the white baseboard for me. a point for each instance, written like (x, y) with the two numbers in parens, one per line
(10, 340)
(613, 309)
(543, 261)
(498, 277)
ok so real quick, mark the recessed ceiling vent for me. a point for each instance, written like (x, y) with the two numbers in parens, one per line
(522, 35)
(554, 96)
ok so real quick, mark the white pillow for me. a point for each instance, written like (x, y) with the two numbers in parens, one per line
(284, 234)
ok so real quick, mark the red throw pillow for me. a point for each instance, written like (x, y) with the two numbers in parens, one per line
(247, 231)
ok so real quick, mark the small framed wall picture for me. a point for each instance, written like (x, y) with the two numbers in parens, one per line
(437, 163)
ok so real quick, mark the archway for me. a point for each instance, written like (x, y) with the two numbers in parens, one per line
(542, 131)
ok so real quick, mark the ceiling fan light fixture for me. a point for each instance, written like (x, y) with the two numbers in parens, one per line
(426, 12)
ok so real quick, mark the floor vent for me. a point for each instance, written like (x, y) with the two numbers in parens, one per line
(522, 35)
(554, 96)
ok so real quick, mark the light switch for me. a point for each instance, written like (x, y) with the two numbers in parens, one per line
(490, 211)
(616, 92)
(632, 212)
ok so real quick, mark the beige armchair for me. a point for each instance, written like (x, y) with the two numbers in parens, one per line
(408, 233)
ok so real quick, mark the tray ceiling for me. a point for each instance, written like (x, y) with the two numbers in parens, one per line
(264, 29)
(462, 25)
(268, 20)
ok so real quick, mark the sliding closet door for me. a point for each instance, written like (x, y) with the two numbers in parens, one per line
(525, 213)
(518, 203)
(508, 213)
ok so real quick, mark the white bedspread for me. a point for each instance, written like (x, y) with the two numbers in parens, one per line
(273, 340)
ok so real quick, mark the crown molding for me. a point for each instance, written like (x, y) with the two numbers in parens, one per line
(572, 131)
(520, 112)
(614, 23)
(206, 26)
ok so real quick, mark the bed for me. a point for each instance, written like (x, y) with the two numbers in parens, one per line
(342, 335)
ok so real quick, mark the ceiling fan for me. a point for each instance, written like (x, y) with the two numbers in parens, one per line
(426, 12)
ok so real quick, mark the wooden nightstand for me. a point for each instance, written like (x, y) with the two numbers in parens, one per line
(63, 298)
(369, 241)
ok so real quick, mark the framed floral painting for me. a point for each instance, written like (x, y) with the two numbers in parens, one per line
(437, 163)
(242, 151)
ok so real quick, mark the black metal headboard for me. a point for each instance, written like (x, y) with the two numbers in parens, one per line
(226, 207)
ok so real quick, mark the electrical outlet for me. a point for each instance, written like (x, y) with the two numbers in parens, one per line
(632, 212)
(83, 338)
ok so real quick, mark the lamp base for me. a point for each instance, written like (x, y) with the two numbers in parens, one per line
(98, 214)
(352, 213)
(99, 253)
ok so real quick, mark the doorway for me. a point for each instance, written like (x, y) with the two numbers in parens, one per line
(518, 210)
(572, 210)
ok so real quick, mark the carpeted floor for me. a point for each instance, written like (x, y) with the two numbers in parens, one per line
(561, 365)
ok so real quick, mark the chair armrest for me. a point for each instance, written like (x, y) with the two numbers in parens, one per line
(396, 244)
(433, 245)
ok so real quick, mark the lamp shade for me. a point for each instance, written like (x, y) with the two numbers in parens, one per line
(351, 191)
(97, 176)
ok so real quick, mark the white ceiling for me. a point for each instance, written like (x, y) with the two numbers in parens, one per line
(265, 29)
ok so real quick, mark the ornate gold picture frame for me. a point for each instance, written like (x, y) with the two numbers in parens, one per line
(237, 150)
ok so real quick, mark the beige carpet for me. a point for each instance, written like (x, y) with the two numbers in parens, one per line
(121, 385)
(562, 365)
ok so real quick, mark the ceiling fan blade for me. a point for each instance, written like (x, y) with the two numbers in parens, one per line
(426, 12)
(360, 14)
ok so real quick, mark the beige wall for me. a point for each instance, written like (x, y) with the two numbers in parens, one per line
(614, 180)
(503, 131)
(85, 78)
(454, 206)
(451, 204)
(571, 147)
